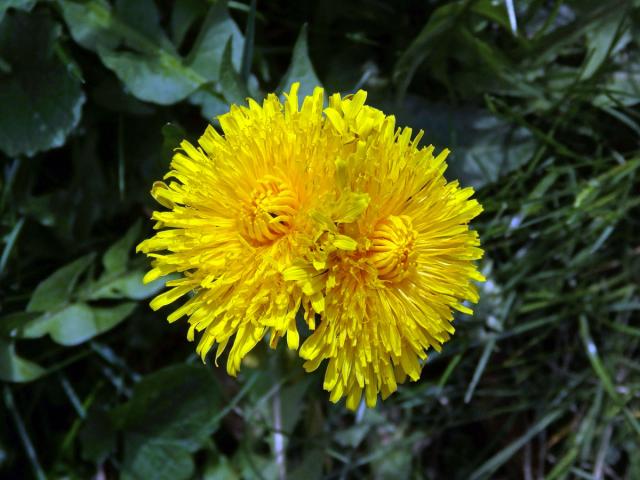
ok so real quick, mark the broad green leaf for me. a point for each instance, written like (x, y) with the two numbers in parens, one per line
(14, 368)
(40, 99)
(120, 279)
(218, 28)
(95, 25)
(56, 290)
(159, 79)
(487, 150)
(155, 74)
(169, 416)
(300, 70)
(483, 147)
(127, 285)
(145, 458)
(175, 405)
(90, 23)
(117, 256)
(77, 322)
(233, 88)
(104, 319)
(74, 314)
(151, 70)
(206, 57)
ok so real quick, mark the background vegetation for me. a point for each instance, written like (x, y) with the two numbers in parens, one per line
(541, 110)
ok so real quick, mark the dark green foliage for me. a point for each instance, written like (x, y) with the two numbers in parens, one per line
(542, 382)
(40, 100)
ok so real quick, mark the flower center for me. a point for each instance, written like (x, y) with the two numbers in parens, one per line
(269, 212)
(392, 248)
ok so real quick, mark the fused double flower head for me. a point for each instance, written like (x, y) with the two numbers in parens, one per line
(333, 212)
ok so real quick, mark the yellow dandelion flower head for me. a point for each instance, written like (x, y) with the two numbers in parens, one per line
(389, 295)
(333, 211)
(238, 215)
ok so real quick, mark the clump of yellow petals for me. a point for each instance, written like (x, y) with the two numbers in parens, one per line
(390, 296)
(333, 211)
(238, 215)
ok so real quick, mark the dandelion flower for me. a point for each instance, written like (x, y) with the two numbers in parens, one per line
(336, 213)
(389, 296)
(238, 215)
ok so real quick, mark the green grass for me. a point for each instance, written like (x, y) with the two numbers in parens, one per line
(542, 382)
